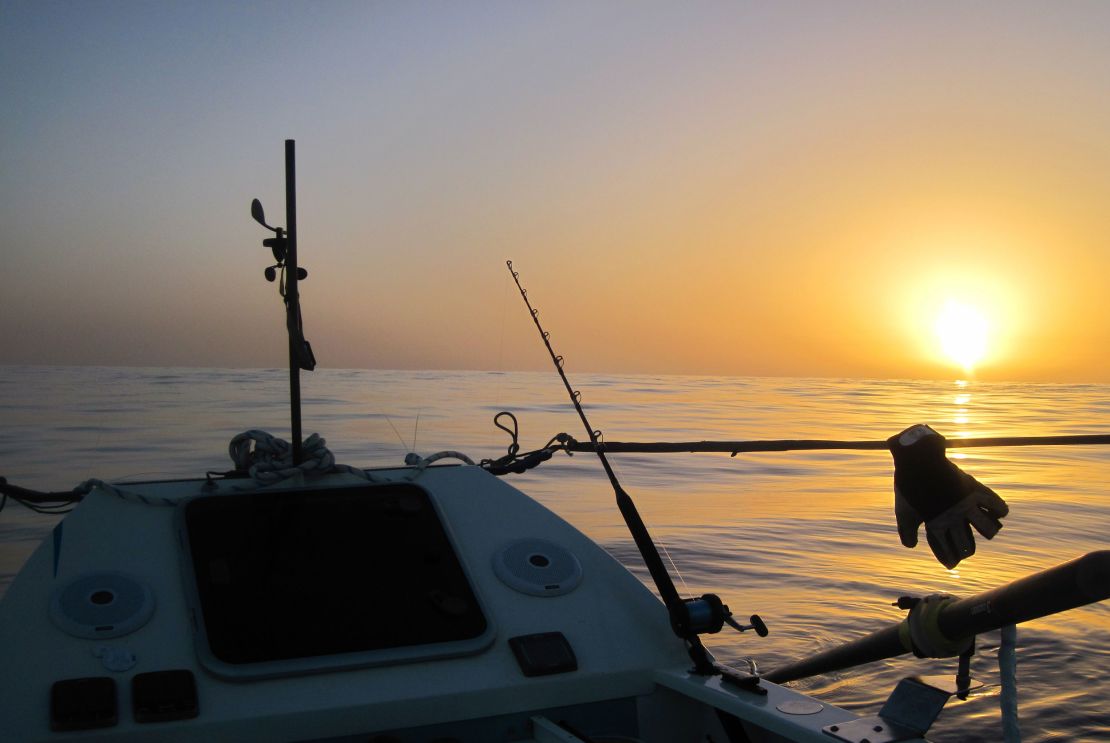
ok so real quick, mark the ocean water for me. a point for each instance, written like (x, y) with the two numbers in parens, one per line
(807, 539)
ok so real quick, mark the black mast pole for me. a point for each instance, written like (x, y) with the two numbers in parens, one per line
(292, 298)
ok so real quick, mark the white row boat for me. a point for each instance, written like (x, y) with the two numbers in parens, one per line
(450, 607)
(414, 604)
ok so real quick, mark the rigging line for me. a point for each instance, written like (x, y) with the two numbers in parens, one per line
(676, 607)
(738, 447)
(506, 296)
(404, 444)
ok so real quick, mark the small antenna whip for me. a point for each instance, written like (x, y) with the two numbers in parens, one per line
(680, 611)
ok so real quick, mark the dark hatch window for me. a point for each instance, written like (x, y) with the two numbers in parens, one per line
(307, 573)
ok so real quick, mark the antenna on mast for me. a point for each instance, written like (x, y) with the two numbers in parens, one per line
(284, 247)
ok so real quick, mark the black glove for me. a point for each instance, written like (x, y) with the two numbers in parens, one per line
(928, 488)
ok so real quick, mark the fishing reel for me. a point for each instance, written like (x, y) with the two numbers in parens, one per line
(708, 615)
(278, 245)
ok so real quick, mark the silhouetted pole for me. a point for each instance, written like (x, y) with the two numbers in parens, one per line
(292, 298)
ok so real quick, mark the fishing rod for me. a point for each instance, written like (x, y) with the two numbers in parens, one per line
(688, 617)
(739, 447)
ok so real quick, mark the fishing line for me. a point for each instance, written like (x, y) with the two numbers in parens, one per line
(674, 566)
(667, 554)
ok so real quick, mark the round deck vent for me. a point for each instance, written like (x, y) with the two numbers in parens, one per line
(537, 567)
(101, 605)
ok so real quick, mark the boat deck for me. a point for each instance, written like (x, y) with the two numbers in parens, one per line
(626, 677)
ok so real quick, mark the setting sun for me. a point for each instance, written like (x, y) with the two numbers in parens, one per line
(962, 331)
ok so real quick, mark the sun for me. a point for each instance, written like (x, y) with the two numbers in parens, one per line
(962, 330)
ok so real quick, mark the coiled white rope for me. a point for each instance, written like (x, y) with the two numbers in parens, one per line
(271, 459)
(268, 459)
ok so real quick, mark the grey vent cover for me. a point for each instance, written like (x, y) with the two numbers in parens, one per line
(101, 605)
(537, 567)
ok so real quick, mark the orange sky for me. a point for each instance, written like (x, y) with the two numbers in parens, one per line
(783, 189)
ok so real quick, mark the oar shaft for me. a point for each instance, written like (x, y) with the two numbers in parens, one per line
(1082, 581)
(1085, 580)
(886, 643)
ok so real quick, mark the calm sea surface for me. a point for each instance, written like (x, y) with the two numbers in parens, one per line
(807, 540)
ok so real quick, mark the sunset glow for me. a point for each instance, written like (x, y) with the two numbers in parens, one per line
(962, 331)
(723, 188)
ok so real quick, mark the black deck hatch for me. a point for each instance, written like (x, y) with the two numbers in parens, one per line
(313, 573)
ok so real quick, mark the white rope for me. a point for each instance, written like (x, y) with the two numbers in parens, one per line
(422, 463)
(1007, 672)
(89, 485)
(268, 459)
